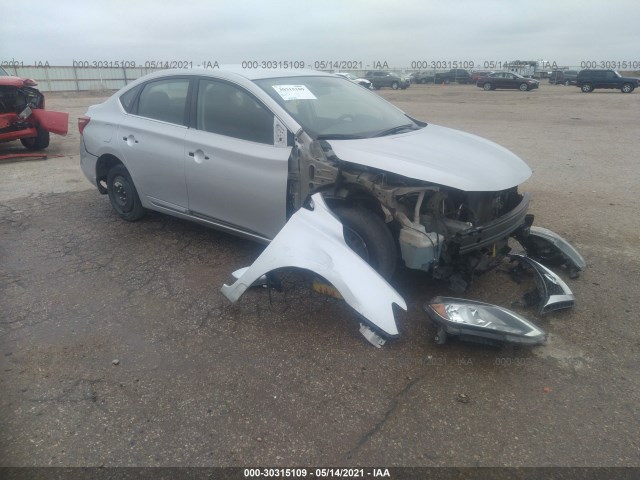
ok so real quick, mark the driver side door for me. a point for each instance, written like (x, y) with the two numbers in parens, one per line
(236, 171)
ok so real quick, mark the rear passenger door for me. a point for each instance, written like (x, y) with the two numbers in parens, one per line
(611, 79)
(151, 138)
(236, 166)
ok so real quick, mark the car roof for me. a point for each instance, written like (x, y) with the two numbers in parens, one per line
(234, 72)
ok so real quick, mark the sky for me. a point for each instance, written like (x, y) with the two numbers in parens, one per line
(398, 33)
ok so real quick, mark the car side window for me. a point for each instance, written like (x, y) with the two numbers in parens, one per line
(164, 100)
(228, 110)
(127, 99)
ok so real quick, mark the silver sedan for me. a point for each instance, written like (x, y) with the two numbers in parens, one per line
(243, 150)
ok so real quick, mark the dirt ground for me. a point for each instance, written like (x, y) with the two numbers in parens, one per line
(287, 380)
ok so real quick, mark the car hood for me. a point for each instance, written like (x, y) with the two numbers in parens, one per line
(439, 155)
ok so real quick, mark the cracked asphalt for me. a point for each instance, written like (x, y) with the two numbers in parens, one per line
(118, 349)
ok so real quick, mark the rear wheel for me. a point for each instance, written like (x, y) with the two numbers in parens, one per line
(39, 142)
(123, 194)
(587, 88)
(367, 235)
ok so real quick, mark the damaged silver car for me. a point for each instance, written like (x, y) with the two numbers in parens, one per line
(248, 152)
(243, 150)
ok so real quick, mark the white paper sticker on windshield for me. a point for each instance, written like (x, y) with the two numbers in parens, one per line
(294, 92)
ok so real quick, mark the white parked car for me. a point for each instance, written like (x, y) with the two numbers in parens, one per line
(363, 82)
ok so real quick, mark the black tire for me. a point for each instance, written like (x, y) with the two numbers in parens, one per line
(627, 88)
(487, 86)
(39, 142)
(395, 85)
(587, 88)
(123, 194)
(524, 87)
(368, 236)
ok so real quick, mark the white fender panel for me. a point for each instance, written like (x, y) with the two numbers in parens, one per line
(313, 240)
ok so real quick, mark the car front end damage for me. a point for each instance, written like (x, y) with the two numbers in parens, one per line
(449, 233)
(23, 116)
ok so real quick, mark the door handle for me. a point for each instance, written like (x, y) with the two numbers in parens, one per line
(198, 155)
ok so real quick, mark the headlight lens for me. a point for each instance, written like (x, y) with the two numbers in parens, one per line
(477, 320)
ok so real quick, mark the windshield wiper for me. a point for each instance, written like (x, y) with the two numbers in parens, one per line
(398, 129)
(339, 136)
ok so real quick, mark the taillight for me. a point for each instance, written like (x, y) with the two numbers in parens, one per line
(83, 122)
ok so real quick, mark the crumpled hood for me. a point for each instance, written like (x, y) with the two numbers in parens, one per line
(439, 155)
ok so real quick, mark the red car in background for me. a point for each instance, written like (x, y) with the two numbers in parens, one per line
(22, 114)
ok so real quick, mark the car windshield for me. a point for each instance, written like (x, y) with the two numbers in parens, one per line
(332, 108)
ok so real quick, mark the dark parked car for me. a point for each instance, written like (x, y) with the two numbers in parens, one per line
(458, 75)
(423, 77)
(507, 80)
(563, 77)
(480, 73)
(381, 78)
(588, 80)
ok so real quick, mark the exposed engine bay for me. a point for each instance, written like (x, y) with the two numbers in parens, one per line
(16, 106)
(23, 116)
(451, 234)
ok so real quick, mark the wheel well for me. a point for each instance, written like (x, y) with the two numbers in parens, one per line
(348, 195)
(103, 165)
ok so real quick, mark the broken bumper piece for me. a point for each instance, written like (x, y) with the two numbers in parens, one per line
(553, 293)
(480, 322)
(546, 246)
(313, 240)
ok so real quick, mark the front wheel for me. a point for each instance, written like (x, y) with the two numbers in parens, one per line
(587, 88)
(486, 86)
(123, 194)
(394, 85)
(39, 142)
(524, 87)
(367, 235)
(627, 88)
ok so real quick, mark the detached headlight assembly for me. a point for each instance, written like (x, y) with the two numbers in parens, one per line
(481, 322)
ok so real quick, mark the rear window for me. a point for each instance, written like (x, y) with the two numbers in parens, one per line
(164, 100)
(127, 99)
